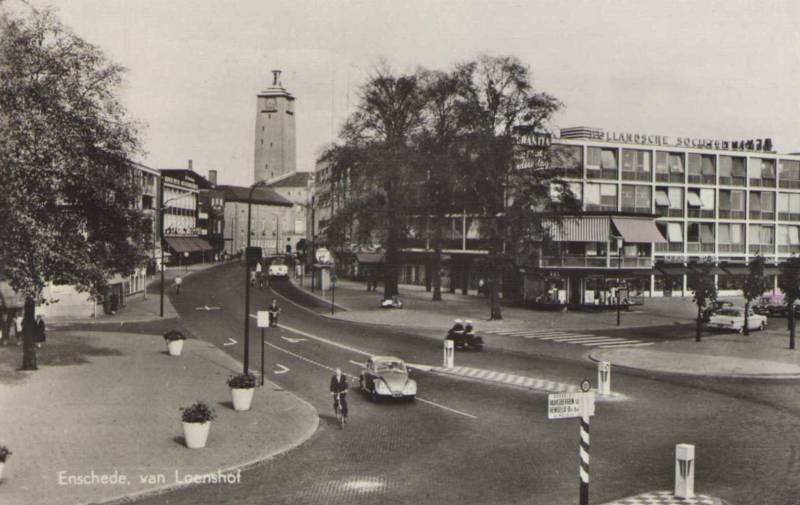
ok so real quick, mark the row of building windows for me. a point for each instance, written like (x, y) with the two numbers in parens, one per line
(671, 201)
(729, 238)
(603, 163)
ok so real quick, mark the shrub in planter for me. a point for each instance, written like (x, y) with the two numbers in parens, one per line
(242, 388)
(4, 453)
(174, 341)
(196, 424)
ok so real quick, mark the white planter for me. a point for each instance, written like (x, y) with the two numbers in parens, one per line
(2, 464)
(196, 434)
(175, 347)
(242, 398)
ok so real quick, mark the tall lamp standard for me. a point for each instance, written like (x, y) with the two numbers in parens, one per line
(620, 249)
(247, 276)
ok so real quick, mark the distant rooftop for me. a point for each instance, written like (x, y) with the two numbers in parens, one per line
(295, 180)
(260, 195)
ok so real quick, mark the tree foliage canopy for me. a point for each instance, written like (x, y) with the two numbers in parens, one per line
(67, 210)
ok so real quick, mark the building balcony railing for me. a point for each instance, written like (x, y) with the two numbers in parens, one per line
(596, 207)
(695, 212)
(605, 173)
(789, 249)
(788, 216)
(763, 182)
(790, 183)
(636, 176)
(733, 181)
(732, 214)
(578, 261)
(631, 262)
(732, 248)
(764, 216)
(696, 247)
(762, 248)
(673, 247)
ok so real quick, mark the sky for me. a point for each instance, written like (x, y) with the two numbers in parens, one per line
(714, 69)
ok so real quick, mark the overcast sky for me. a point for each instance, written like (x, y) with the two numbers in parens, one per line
(715, 69)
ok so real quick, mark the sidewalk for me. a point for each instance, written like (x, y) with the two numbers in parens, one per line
(760, 355)
(107, 404)
(141, 307)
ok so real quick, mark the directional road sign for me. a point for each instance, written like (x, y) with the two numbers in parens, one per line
(566, 405)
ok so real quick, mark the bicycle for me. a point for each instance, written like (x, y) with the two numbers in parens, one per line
(337, 407)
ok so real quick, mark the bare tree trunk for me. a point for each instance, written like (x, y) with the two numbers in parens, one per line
(746, 329)
(390, 272)
(699, 323)
(437, 264)
(29, 336)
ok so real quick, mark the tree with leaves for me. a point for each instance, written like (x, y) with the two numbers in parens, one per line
(379, 157)
(754, 285)
(499, 102)
(67, 213)
(704, 290)
(789, 283)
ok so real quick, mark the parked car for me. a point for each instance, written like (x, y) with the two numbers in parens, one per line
(773, 305)
(732, 318)
(714, 307)
(387, 377)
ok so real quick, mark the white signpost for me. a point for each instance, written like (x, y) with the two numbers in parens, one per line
(448, 353)
(604, 378)
(262, 321)
(579, 404)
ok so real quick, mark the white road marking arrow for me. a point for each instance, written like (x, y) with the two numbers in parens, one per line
(356, 363)
(282, 370)
(293, 340)
(230, 342)
(206, 308)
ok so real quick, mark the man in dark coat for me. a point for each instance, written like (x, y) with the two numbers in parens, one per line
(339, 386)
(40, 331)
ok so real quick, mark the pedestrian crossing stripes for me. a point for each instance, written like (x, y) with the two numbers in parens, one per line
(666, 498)
(567, 337)
(507, 378)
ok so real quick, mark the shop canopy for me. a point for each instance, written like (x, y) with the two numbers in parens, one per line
(741, 269)
(187, 244)
(636, 230)
(578, 229)
(10, 299)
(672, 269)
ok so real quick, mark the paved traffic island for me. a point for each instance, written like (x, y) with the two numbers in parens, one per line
(758, 355)
(100, 420)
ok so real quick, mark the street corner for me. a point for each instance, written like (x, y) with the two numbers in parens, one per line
(666, 498)
(701, 359)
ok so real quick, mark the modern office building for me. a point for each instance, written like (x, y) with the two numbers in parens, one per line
(712, 201)
(275, 150)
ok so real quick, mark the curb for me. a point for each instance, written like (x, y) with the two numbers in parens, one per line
(591, 357)
(304, 290)
(149, 493)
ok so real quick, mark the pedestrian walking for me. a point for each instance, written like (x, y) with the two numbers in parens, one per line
(481, 286)
(178, 282)
(18, 327)
(114, 303)
(41, 335)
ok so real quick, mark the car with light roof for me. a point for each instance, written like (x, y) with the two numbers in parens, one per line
(387, 377)
(732, 318)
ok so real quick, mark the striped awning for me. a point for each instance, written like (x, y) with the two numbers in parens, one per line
(579, 229)
(187, 244)
(638, 230)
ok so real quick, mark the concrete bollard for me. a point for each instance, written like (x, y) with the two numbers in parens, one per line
(684, 471)
(604, 378)
(449, 351)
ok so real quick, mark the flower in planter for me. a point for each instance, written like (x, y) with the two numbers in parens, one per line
(4, 453)
(242, 381)
(172, 335)
(198, 412)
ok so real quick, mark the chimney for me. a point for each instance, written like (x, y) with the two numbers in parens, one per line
(212, 177)
(276, 78)
(190, 164)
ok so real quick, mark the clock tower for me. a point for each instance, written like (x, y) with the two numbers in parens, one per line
(275, 132)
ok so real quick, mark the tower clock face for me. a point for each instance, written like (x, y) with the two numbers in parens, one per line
(271, 105)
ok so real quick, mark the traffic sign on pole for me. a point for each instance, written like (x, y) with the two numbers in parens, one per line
(581, 404)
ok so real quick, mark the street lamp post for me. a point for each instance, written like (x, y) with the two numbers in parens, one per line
(247, 277)
(333, 290)
(619, 279)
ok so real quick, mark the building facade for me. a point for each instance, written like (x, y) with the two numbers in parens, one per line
(182, 237)
(271, 220)
(714, 201)
(297, 188)
(275, 150)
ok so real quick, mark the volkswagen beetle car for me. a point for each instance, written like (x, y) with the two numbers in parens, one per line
(732, 318)
(387, 377)
(278, 271)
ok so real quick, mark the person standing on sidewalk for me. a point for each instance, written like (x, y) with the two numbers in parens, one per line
(178, 282)
(41, 335)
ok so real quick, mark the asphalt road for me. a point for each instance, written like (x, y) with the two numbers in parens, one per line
(469, 442)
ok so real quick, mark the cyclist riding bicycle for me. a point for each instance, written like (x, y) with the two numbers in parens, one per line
(339, 387)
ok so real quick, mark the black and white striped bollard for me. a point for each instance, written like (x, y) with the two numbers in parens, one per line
(584, 469)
